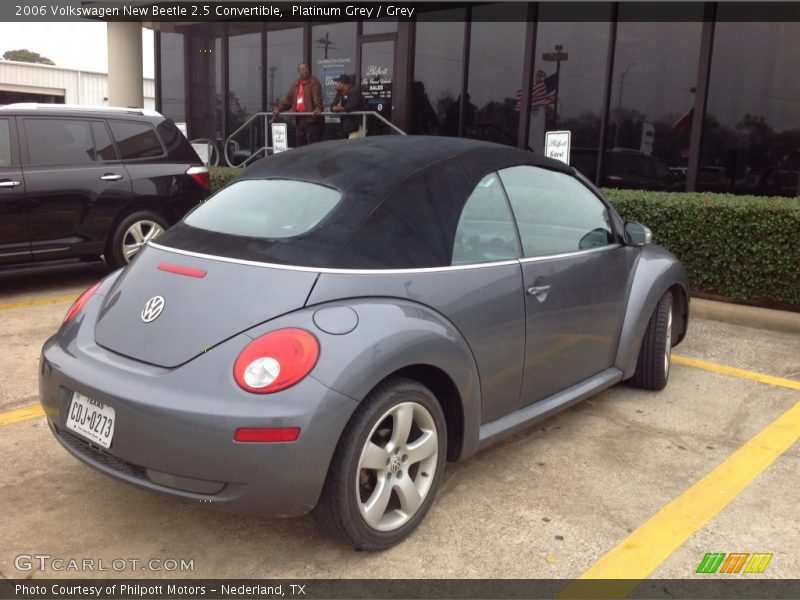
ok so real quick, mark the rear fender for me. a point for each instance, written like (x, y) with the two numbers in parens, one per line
(390, 335)
(656, 271)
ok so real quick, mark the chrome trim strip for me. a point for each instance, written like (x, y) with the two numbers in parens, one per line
(502, 263)
(533, 259)
(329, 270)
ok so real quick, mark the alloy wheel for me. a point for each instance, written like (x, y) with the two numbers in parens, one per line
(397, 466)
(137, 235)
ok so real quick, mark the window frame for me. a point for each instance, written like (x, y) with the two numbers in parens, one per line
(117, 145)
(520, 249)
(615, 221)
(12, 142)
(27, 152)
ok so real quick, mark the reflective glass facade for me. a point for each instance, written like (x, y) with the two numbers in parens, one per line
(695, 99)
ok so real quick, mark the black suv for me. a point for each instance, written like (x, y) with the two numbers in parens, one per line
(83, 182)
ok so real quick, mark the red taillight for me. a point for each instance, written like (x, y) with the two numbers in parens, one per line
(201, 176)
(81, 301)
(181, 270)
(613, 181)
(266, 434)
(276, 361)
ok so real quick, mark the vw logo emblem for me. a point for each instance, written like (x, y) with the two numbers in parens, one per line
(152, 308)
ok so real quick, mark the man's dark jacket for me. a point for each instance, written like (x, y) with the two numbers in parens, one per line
(351, 102)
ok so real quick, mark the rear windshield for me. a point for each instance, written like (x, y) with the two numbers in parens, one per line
(265, 208)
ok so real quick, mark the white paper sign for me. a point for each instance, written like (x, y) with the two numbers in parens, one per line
(280, 142)
(556, 145)
(203, 151)
(182, 128)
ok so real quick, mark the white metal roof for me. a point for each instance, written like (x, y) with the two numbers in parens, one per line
(77, 107)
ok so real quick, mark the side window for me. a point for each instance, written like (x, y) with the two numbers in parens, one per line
(485, 230)
(555, 212)
(59, 141)
(102, 142)
(136, 140)
(5, 144)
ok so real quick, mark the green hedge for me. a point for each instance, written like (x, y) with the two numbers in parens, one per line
(744, 247)
(221, 176)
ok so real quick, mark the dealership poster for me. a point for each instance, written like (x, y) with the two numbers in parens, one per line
(376, 90)
(331, 68)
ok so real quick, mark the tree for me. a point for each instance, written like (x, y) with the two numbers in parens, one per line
(27, 56)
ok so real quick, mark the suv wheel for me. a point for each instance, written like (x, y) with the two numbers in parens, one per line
(387, 467)
(133, 232)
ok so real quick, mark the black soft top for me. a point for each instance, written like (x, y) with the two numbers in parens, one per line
(402, 197)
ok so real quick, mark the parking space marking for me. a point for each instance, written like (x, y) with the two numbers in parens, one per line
(734, 372)
(635, 558)
(39, 302)
(21, 414)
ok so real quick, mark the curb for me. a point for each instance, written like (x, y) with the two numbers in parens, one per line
(749, 316)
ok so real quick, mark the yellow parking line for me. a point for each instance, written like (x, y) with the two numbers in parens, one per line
(638, 555)
(39, 302)
(725, 370)
(21, 414)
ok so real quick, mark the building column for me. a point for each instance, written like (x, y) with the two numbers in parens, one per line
(125, 87)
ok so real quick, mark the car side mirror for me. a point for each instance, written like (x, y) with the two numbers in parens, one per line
(637, 234)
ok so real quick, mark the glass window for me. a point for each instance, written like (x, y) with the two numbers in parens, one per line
(438, 63)
(284, 53)
(5, 144)
(652, 91)
(59, 141)
(568, 83)
(485, 230)
(244, 72)
(102, 142)
(173, 76)
(373, 26)
(495, 73)
(136, 140)
(333, 52)
(555, 212)
(751, 136)
(266, 208)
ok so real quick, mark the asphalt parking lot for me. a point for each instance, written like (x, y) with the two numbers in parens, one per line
(628, 484)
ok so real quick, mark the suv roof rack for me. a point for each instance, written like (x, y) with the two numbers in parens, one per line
(77, 107)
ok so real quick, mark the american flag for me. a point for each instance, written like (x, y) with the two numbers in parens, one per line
(542, 93)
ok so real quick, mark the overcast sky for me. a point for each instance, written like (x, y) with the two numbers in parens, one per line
(70, 45)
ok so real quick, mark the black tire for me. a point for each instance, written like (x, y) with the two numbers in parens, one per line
(655, 355)
(116, 255)
(348, 489)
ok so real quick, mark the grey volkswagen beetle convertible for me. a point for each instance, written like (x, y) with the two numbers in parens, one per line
(341, 320)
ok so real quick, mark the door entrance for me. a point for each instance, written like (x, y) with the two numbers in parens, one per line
(377, 77)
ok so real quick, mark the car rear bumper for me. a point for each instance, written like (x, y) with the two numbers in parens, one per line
(174, 429)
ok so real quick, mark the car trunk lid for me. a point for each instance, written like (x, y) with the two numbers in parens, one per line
(204, 301)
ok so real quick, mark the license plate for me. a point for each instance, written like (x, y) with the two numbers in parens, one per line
(92, 419)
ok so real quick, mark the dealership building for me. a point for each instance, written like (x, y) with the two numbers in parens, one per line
(694, 96)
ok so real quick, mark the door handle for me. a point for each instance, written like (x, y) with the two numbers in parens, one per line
(538, 289)
(7, 183)
(111, 177)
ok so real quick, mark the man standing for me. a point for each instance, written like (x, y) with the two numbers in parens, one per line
(348, 99)
(305, 96)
